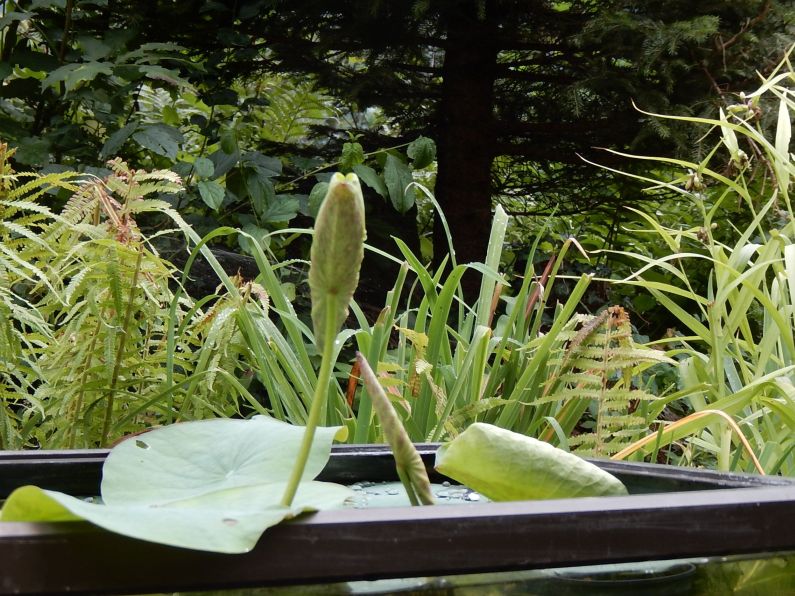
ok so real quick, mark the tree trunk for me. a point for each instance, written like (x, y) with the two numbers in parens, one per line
(466, 136)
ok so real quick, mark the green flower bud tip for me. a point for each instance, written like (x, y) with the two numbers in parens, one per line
(337, 251)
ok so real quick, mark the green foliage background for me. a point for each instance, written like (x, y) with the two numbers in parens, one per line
(233, 118)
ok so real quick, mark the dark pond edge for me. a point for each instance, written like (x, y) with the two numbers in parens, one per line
(708, 514)
(79, 471)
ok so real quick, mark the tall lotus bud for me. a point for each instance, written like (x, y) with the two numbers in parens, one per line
(337, 253)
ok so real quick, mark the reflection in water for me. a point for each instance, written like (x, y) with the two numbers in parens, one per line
(753, 575)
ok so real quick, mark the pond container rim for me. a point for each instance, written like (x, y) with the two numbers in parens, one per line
(699, 513)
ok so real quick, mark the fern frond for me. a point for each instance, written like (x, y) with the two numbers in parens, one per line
(42, 183)
(596, 368)
(462, 417)
(80, 330)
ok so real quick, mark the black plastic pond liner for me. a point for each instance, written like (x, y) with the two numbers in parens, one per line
(671, 513)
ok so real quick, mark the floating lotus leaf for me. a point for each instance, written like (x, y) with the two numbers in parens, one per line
(212, 485)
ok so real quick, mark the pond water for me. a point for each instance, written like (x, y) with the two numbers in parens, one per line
(392, 494)
(757, 575)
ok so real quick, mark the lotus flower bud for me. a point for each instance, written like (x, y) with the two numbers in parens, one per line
(337, 253)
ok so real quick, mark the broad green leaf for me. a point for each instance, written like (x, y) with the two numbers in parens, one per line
(212, 485)
(33, 151)
(73, 75)
(508, 466)
(398, 177)
(160, 138)
(260, 190)
(204, 167)
(224, 161)
(116, 140)
(143, 52)
(422, 152)
(167, 75)
(253, 233)
(229, 143)
(211, 193)
(371, 178)
(268, 166)
(129, 72)
(93, 48)
(23, 73)
(352, 155)
(316, 197)
(281, 208)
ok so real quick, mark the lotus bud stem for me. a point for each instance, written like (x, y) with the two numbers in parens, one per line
(336, 256)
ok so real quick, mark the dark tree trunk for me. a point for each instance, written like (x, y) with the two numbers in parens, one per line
(466, 136)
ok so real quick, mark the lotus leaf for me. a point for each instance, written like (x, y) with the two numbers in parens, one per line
(212, 485)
